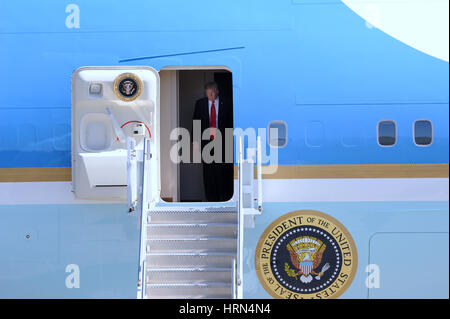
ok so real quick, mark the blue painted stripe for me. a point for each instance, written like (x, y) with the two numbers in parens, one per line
(178, 54)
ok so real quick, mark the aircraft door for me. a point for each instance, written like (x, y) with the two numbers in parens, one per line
(115, 110)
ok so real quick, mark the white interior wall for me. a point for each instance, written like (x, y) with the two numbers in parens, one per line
(168, 118)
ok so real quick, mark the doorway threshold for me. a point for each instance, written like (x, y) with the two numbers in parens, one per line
(230, 205)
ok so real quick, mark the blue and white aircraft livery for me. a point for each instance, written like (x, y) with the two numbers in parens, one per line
(338, 150)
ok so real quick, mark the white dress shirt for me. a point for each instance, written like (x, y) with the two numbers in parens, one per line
(216, 106)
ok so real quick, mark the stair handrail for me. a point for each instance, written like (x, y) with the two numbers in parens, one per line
(143, 207)
(259, 173)
(233, 279)
(238, 282)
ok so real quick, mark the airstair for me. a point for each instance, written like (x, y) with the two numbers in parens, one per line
(191, 250)
(186, 250)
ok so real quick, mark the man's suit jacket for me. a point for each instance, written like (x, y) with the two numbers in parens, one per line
(225, 117)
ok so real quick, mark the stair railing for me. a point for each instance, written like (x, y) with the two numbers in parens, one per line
(144, 157)
(238, 267)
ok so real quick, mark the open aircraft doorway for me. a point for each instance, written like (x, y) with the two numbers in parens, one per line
(183, 99)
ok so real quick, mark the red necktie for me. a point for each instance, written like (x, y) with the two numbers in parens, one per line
(212, 121)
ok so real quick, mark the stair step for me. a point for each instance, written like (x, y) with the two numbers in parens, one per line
(184, 208)
(192, 284)
(190, 251)
(202, 244)
(193, 275)
(174, 260)
(194, 230)
(189, 290)
(199, 217)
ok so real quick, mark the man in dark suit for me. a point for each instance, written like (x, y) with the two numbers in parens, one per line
(216, 113)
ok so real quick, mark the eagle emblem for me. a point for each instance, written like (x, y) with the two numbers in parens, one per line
(306, 255)
(127, 87)
(298, 252)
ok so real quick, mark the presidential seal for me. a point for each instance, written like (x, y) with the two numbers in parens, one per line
(127, 87)
(306, 254)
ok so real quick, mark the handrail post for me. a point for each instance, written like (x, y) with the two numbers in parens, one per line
(145, 178)
(259, 173)
(234, 280)
(240, 231)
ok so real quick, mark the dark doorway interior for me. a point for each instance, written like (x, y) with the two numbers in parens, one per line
(190, 89)
(225, 83)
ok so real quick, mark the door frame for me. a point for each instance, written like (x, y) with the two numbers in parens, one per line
(175, 116)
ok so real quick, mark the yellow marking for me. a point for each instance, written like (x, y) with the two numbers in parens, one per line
(36, 174)
(53, 174)
(357, 171)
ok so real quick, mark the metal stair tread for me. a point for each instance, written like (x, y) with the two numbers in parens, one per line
(191, 284)
(194, 239)
(192, 225)
(192, 209)
(193, 296)
(221, 253)
(189, 269)
(189, 251)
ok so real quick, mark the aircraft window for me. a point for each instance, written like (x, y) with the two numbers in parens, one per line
(387, 133)
(423, 132)
(277, 140)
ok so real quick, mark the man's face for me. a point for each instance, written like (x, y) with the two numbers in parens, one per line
(212, 93)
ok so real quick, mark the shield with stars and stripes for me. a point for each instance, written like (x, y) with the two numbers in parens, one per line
(306, 267)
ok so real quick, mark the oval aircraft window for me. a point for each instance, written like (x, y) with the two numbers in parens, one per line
(423, 132)
(277, 134)
(387, 133)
